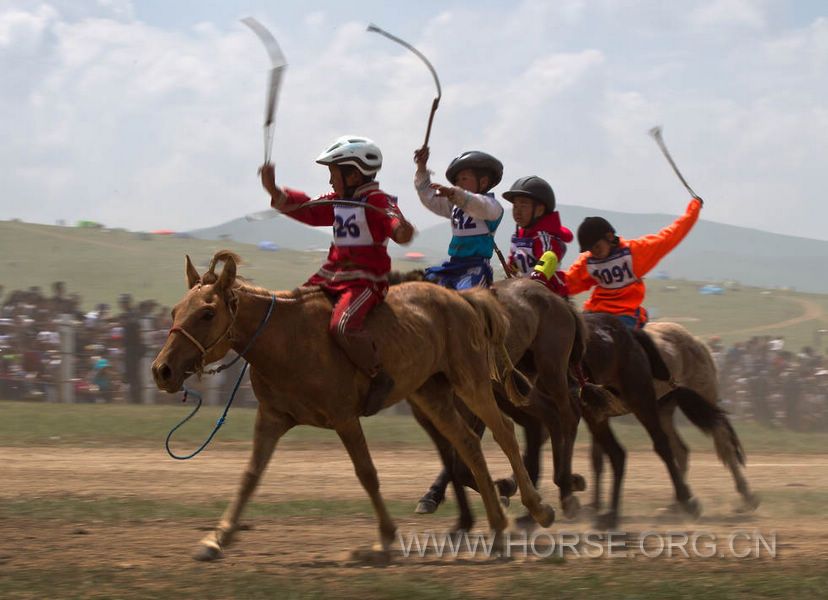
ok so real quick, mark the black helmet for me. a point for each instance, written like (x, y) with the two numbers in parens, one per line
(534, 187)
(592, 230)
(474, 159)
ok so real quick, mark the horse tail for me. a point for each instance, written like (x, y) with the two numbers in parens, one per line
(495, 328)
(657, 364)
(490, 313)
(711, 419)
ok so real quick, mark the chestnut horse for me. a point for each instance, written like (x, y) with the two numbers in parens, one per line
(436, 343)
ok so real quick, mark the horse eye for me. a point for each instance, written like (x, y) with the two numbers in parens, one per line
(208, 315)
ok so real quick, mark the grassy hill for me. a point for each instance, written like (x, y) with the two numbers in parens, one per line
(100, 264)
(281, 230)
(712, 251)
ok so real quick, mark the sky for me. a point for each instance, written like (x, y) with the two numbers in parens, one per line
(148, 114)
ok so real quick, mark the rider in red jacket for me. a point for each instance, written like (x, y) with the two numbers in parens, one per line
(539, 244)
(356, 271)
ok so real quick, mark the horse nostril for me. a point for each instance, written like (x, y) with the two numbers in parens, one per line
(162, 372)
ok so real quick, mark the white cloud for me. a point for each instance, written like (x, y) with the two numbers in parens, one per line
(23, 29)
(140, 125)
(743, 13)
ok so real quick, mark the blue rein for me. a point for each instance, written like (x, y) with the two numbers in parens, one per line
(223, 418)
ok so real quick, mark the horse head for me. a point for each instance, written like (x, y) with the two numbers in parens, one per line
(202, 321)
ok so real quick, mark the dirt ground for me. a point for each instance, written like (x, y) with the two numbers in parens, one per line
(301, 545)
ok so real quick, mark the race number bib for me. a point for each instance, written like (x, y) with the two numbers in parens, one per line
(463, 225)
(350, 227)
(522, 256)
(613, 272)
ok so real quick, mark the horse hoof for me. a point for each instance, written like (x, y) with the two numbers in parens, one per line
(545, 516)
(506, 487)
(208, 553)
(426, 506)
(505, 502)
(607, 521)
(692, 507)
(578, 483)
(571, 506)
(749, 504)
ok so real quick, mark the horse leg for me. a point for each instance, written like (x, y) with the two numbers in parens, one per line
(661, 445)
(451, 466)
(478, 396)
(597, 457)
(350, 432)
(751, 500)
(604, 439)
(562, 422)
(535, 435)
(266, 433)
(434, 399)
(436, 493)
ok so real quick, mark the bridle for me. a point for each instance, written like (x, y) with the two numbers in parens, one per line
(200, 370)
(201, 348)
(205, 350)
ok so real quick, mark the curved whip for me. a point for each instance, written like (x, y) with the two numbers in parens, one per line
(428, 64)
(655, 132)
(278, 65)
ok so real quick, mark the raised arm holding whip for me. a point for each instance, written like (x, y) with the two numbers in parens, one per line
(614, 267)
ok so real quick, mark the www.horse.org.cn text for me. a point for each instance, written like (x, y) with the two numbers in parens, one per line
(741, 544)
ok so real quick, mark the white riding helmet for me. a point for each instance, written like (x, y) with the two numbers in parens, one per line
(353, 150)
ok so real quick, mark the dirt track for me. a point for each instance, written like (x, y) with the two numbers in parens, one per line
(299, 542)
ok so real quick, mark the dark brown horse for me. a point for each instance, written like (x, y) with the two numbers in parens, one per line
(300, 377)
(692, 386)
(546, 337)
(619, 361)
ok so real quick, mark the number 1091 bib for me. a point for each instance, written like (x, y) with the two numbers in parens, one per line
(613, 272)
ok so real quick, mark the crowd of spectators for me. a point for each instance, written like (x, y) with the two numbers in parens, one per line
(764, 380)
(760, 379)
(107, 347)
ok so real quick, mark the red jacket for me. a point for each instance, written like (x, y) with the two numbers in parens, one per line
(356, 256)
(619, 288)
(530, 243)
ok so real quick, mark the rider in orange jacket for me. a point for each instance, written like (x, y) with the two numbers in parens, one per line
(614, 267)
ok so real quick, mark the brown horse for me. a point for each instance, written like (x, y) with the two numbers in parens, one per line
(649, 373)
(694, 387)
(301, 377)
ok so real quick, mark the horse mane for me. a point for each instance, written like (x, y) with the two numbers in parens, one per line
(243, 285)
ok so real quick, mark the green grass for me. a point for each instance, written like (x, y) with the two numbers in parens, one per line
(42, 424)
(74, 508)
(605, 579)
(101, 264)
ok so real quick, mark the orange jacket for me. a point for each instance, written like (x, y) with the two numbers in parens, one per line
(619, 288)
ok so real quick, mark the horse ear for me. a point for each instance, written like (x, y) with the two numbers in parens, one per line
(193, 278)
(228, 275)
